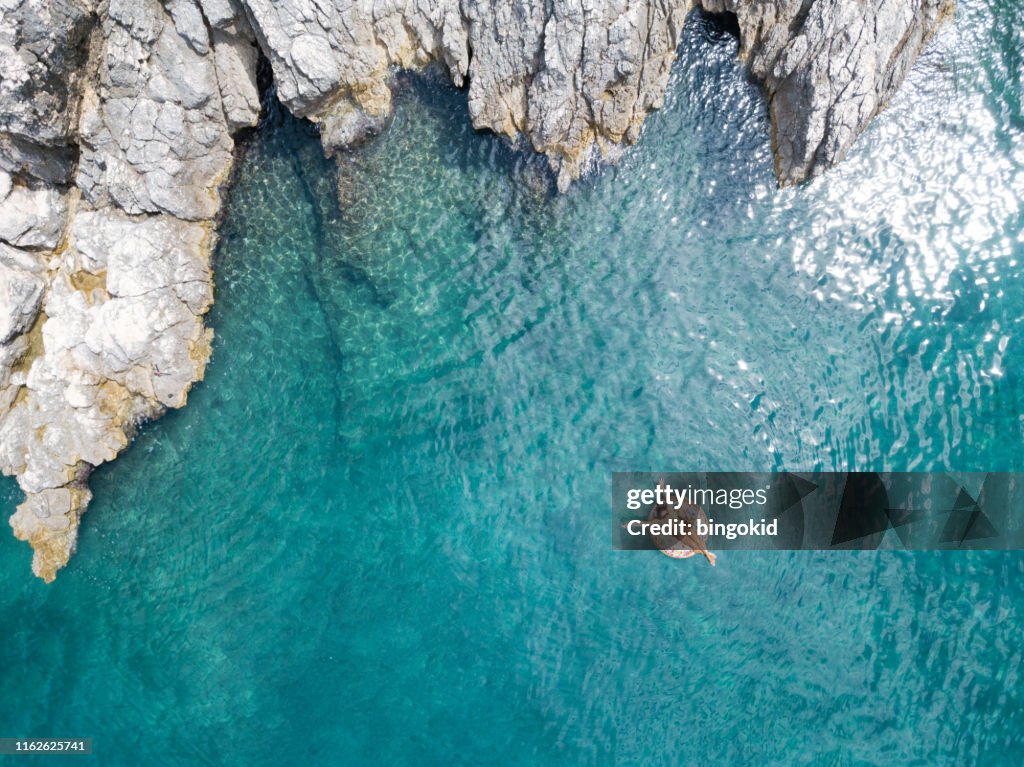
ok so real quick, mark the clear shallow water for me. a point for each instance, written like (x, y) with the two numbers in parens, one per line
(378, 534)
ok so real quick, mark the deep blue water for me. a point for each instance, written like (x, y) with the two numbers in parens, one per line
(378, 534)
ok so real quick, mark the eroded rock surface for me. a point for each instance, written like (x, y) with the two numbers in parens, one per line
(577, 79)
(107, 225)
(43, 47)
(116, 139)
(828, 67)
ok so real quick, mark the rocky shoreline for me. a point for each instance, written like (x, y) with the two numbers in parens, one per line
(117, 132)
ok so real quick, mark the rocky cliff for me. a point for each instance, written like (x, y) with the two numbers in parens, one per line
(117, 120)
(576, 79)
(115, 141)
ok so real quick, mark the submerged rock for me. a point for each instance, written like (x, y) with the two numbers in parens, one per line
(116, 139)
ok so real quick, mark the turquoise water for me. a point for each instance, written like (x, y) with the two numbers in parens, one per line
(378, 534)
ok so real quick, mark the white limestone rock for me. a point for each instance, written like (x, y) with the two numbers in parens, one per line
(578, 79)
(21, 294)
(106, 330)
(189, 24)
(235, 58)
(43, 47)
(332, 60)
(225, 15)
(22, 285)
(32, 218)
(123, 340)
(49, 522)
(154, 136)
(829, 66)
